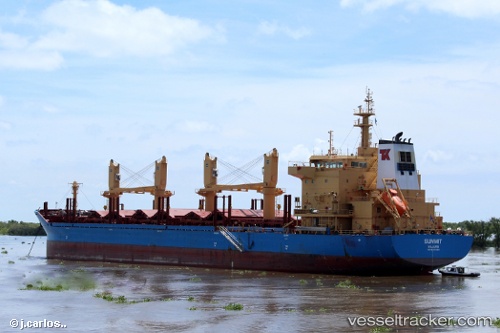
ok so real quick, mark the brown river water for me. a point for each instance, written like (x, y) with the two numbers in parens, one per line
(110, 297)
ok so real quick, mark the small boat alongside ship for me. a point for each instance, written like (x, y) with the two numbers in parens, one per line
(458, 271)
(363, 213)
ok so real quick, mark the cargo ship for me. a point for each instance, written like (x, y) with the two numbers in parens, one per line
(364, 213)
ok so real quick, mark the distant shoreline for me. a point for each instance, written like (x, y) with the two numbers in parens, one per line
(15, 228)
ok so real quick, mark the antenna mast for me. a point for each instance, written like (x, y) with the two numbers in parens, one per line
(331, 150)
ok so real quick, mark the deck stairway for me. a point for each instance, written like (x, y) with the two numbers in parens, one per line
(231, 238)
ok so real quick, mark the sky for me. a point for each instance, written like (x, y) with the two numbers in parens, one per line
(84, 82)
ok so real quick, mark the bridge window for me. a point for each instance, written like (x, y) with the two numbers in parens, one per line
(406, 167)
(359, 164)
(405, 156)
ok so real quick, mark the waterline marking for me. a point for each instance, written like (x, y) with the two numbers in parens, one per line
(420, 321)
(22, 324)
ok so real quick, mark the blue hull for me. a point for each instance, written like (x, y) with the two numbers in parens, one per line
(260, 249)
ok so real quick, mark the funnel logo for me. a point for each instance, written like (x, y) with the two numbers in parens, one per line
(385, 154)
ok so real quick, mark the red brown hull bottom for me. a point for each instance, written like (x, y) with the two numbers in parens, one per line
(230, 259)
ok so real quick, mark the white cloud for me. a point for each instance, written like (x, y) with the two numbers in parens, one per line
(462, 8)
(273, 28)
(191, 126)
(12, 41)
(438, 155)
(320, 146)
(104, 29)
(50, 109)
(299, 153)
(30, 59)
(17, 53)
(5, 126)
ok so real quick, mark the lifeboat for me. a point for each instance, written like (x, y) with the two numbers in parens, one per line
(392, 199)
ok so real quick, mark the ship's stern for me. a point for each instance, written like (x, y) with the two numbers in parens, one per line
(431, 251)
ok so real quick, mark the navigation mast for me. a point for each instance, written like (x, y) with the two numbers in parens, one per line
(365, 124)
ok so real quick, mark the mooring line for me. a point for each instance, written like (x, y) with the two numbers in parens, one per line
(36, 235)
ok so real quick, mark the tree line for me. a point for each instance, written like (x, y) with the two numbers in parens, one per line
(15, 228)
(485, 234)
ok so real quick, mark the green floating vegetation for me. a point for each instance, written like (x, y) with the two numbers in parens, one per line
(74, 280)
(346, 284)
(302, 281)
(233, 307)
(195, 279)
(380, 329)
(310, 310)
(192, 308)
(121, 299)
(105, 295)
(496, 322)
(4, 252)
(11, 262)
(108, 296)
(191, 299)
(45, 287)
